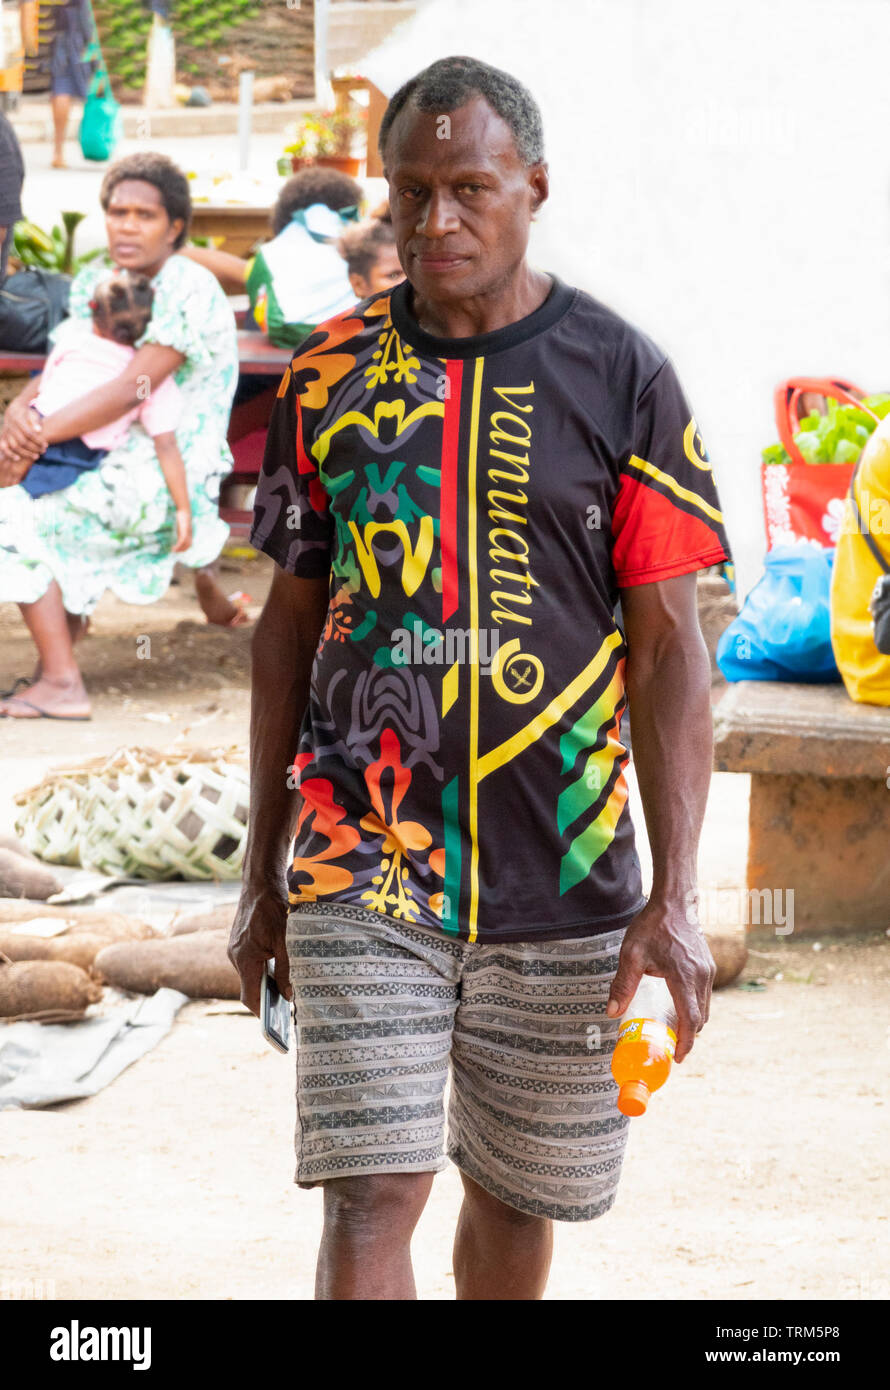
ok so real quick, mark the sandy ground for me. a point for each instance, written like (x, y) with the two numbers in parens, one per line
(758, 1173)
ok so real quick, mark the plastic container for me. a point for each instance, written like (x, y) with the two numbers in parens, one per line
(647, 1040)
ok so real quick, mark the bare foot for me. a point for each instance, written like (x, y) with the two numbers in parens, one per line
(215, 606)
(47, 699)
(78, 626)
(59, 163)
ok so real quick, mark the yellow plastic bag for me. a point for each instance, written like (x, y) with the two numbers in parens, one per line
(865, 670)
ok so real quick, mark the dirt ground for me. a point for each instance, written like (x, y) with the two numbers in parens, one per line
(760, 1171)
(189, 678)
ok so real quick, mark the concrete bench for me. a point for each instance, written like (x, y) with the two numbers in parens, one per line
(819, 818)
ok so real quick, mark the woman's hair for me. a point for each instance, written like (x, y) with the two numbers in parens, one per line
(315, 185)
(360, 245)
(121, 307)
(162, 174)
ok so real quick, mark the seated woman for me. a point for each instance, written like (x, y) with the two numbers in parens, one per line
(121, 309)
(113, 527)
(297, 279)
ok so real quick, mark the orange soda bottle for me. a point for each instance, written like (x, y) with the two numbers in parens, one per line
(647, 1040)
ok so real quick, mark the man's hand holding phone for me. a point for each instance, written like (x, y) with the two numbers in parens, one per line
(258, 935)
(274, 1010)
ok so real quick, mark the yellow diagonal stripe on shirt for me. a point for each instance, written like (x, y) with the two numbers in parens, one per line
(551, 714)
(449, 687)
(676, 487)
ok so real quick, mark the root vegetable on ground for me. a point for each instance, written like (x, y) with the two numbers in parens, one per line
(196, 964)
(79, 949)
(114, 926)
(730, 953)
(25, 878)
(213, 919)
(45, 990)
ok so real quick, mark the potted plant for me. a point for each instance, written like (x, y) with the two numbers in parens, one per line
(34, 247)
(325, 137)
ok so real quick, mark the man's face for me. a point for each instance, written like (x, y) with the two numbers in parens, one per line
(140, 234)
(461, 199)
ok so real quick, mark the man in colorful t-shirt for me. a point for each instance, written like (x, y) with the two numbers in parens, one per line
(463, 477)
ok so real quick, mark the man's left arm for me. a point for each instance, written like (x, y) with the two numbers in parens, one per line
(668, 682)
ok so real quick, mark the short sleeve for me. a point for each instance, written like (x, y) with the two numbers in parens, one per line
(292, 520)
(183, 305)
(162, 412)
(666, 519)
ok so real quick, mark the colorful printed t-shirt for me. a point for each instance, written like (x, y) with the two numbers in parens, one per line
(477, 503)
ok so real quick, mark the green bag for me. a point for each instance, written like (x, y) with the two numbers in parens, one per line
(101, 126)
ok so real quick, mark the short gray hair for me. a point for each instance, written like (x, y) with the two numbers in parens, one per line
(451, 82)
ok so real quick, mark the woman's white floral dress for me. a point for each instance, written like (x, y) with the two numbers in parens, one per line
(113, 527)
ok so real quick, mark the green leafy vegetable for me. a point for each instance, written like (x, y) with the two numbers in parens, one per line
(838, 436)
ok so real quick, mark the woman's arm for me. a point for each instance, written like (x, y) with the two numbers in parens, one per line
(173, 470)
(230, 271)
(149, 366)
(21, 440)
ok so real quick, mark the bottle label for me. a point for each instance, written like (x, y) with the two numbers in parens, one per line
(651, 1031)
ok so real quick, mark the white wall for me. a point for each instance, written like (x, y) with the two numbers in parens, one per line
(719, 175)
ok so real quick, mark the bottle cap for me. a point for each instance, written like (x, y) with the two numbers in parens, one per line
(633, 1097)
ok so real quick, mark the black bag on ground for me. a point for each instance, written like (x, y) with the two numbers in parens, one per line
(32, 302)
(879, 607)
(879, 604)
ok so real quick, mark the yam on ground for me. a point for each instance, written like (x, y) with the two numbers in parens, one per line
(214, 919)
(46, 990)
(114, 926)
(18, 847)
(25, 878)
(80, 949)
(730, 952)
(195, 964)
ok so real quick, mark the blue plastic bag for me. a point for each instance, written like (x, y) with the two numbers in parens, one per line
(782, 632)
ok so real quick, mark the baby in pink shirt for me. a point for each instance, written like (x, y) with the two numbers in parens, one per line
(79, 364)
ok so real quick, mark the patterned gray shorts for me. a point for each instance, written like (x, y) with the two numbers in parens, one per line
(382, 1007)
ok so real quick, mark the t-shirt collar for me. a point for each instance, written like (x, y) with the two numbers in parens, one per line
(482, 344)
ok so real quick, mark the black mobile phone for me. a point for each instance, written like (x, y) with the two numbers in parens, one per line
(274, 1010)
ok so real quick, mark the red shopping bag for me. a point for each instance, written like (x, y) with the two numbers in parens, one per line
(804, 501)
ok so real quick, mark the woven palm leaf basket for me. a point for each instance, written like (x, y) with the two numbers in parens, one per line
(143, 814)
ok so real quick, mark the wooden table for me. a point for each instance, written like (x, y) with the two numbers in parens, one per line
(239, 224)
(21, 361)
(255, 356)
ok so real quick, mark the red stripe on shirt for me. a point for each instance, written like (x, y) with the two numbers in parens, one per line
(654, 539)
(448, 513)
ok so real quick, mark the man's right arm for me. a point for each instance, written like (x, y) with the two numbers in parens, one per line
(283, 650)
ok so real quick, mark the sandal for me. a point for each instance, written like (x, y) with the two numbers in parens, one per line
(21, 684)
(40, 713)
